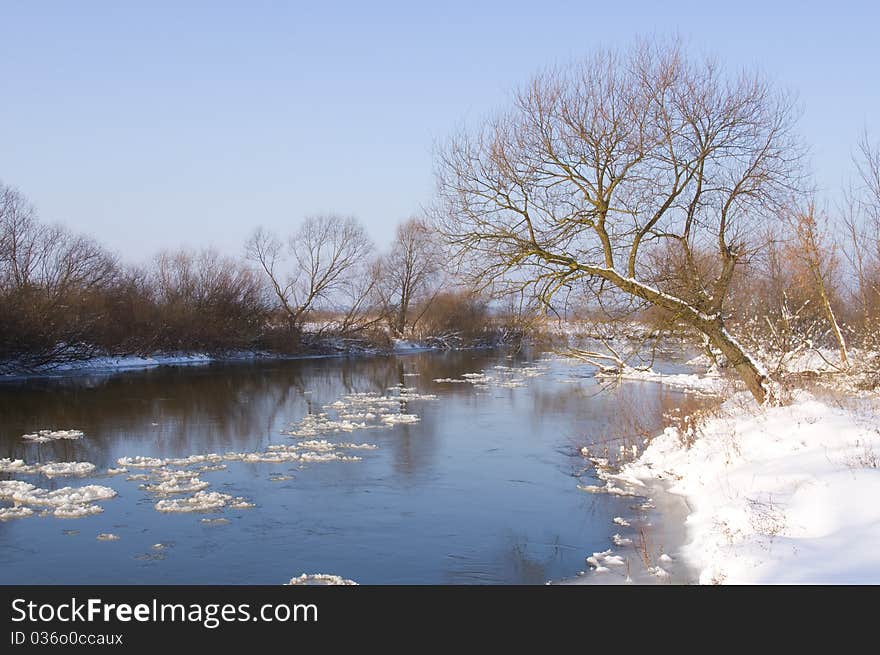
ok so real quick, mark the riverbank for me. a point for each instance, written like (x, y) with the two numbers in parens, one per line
(122, 363)
(779, 495)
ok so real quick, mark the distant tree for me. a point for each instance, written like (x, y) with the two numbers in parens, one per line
(206, 301)
(815, 253)
(408, 274)
(861, 220)
(49, 280)
(325, 260)
(602, 163)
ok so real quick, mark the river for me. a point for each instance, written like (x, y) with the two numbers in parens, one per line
(473, 479)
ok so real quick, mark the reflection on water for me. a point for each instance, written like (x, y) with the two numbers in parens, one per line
(481, 490)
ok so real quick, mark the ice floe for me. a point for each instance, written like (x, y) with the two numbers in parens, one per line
(67, 502)
(50, 469)
(18, 512)
(202, 501)
(505, 377)
(107, 536)
(59, 469)
(322, 579)
(619, 541)
(42, 436)
(361, 411)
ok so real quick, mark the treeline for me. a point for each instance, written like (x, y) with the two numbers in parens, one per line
(65, 297)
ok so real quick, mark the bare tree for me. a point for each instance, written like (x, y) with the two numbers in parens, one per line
(409, 272)
(207, 301)
(861, 220)
(322, 262)
(601, 163)
(817, 256)
(48, 281)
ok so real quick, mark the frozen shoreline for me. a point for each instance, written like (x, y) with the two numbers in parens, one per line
(780, 495)
(125, 363)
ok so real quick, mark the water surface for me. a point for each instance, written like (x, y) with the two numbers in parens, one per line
(483, 489)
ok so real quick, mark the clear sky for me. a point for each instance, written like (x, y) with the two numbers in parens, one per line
(155, 124)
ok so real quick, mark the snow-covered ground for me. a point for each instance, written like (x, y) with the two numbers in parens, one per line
(778, 494)
(709, 383)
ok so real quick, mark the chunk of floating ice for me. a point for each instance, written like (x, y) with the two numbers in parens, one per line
(393, 419)
(327, 457)
(666, 559)
(217, 521)
(68, 502)
(107, 536)
(609, 488)
(202, 501)
(42, 436)
(176, 485)
(16, 466)
(50, 470)
(118, 471)
(76, 511)
(140, 462)
(658, 571)
(320, 579)
(9, 513)
(621, 521)
(621, 541)
(59, 469)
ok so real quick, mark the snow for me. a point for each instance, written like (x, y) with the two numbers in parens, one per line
(710, 383)
(405, 346)
(128, 362)
(779, 495)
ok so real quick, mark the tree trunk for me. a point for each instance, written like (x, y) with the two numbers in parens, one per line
(829, 314)
(757, 381)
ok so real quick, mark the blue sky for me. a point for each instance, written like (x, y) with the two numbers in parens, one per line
(154, 124)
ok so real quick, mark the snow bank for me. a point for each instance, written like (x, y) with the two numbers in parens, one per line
(710, 383)
(780, 494)
(131, 362)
